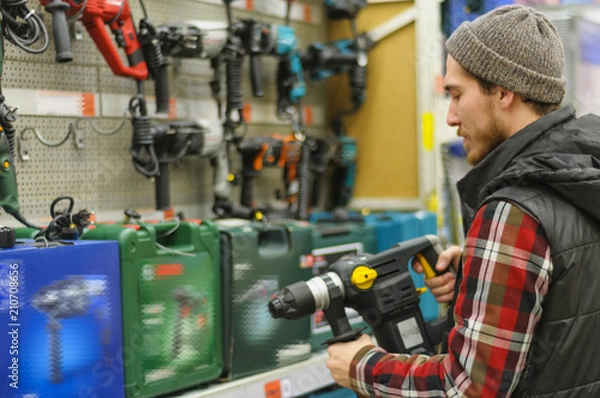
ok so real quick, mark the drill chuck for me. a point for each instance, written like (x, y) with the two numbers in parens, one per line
(304, 298)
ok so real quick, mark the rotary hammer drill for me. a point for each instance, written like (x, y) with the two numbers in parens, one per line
(380, 288)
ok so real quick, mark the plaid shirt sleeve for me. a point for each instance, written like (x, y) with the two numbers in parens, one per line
(506, 273)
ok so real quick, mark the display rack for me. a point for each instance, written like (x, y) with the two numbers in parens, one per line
(286, 382)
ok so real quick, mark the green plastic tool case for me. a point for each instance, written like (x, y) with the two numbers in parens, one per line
(330, 242)
(171, 298)
(258, 260)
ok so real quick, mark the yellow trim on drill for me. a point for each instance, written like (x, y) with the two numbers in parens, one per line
(363, 277)
(427, 268)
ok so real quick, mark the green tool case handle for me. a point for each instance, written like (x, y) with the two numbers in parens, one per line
(174, 235)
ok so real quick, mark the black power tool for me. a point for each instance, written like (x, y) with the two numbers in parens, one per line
(380, 288)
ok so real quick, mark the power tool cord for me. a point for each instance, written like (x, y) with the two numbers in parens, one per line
(142, 151)
(65, 225)
(22, 26)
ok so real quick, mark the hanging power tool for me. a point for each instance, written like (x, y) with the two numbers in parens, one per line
(380, 288)
(178, 139)
(322, 61)
(173, 141)
(283, 152)
(155, 61)
(261, 39)
(143, 53)
(95, 14)
(250, 37)
(233, 56)
(194, 40)
(23, 28)
(256, 39)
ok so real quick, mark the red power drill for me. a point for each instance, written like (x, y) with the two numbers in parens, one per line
(94, 14)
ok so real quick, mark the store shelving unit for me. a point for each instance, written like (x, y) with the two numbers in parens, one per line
(286, 382)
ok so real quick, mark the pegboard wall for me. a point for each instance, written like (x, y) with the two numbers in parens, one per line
(98, 173)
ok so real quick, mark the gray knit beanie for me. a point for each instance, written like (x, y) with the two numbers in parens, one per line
(515, 47)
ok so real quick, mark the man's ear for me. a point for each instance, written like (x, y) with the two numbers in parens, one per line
(506, 97)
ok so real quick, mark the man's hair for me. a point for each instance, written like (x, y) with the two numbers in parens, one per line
(540, 108)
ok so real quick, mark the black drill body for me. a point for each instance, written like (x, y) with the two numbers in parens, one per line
(379, 287)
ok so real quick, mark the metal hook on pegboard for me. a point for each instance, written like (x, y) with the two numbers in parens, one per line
(75, 129)
(23, 144)
(96, 129)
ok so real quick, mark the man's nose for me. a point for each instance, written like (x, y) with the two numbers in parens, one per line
(452, 116)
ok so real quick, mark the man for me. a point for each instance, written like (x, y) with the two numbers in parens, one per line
(526, 306)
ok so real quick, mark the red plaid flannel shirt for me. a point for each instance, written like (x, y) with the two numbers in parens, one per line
(506, 273)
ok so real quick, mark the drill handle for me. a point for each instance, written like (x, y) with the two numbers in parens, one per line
(60, 28)
(150, 42)
(255, 75)
(128, 39)
(247, 191)
(337, 318)
(253, 153)
(161, 90)
(428, 257)
(161, 187)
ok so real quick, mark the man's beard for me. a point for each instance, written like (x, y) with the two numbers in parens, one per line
(487, 139)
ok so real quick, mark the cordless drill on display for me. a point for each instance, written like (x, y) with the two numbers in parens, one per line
(380, 288)
(260, 39)
(250, 37)
(270, 151)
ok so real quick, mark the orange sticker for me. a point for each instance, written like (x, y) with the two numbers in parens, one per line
(308, 115)
(250, 5)
(163, 270)
(169, 213)
(273, 389)
(88, 104)
(307, 13)
(172, 108)
(247, 113)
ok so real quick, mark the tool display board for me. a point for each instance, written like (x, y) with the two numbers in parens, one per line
(99, 175)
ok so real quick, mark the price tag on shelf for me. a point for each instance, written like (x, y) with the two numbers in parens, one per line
(278, 389)
(273, 389)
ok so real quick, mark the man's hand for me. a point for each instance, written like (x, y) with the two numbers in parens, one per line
(340, 358)
(442, 287)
